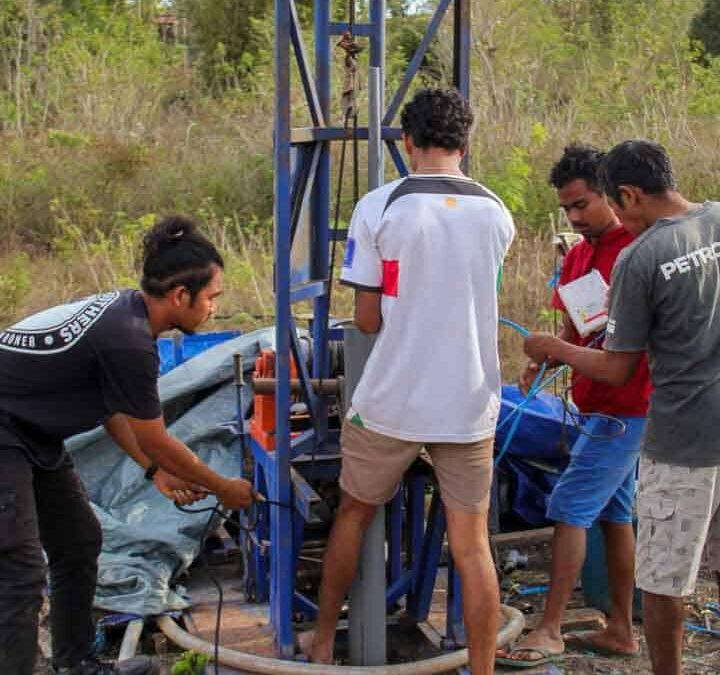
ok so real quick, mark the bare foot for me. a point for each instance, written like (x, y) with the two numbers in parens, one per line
(608, 641)
(313, 652)
(527, 648)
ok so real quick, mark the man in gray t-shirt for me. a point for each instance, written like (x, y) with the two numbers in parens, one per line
(664, 298)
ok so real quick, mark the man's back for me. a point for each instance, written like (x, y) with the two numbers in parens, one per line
(433, 246)
(68, 368)
(670, 277)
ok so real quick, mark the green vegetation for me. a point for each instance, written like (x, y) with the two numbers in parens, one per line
(191, 663)
(103, 123)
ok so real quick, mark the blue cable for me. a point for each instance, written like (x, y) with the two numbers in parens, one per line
(537, 385)
(534, 388)
(515, 326)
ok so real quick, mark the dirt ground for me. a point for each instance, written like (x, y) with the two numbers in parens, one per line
(701, 651)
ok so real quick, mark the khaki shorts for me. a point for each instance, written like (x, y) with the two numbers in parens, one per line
(678, 517)
(373, 465)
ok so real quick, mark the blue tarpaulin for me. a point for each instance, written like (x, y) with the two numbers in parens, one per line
(538, 451)
(147, 542)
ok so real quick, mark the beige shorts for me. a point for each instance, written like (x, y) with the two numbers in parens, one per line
(678, 518)
(373, 465)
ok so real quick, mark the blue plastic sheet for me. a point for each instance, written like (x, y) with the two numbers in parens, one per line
(538, 451)
(147, 542)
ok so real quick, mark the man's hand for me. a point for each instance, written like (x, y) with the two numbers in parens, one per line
(539, 346)
(176, 489)
(528, 377)
(236, 493)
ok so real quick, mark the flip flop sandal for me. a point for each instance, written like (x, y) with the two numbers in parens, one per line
(546, 656)
(581, 641)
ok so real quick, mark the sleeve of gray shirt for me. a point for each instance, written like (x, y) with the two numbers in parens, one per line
(630, 311)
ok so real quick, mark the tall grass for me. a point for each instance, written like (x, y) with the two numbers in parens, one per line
(102, 127)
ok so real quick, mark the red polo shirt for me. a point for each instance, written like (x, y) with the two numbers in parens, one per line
(632, 398)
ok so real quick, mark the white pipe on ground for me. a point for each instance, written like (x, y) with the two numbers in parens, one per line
(514, 624)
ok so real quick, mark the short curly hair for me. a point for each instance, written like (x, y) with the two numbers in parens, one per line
(578, 162)
(438, 118)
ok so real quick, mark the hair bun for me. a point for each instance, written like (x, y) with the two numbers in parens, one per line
(167, 233)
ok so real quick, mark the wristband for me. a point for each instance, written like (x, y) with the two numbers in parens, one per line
(151, 471)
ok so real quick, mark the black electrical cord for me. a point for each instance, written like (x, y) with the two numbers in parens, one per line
(578, 419)
(249, 529)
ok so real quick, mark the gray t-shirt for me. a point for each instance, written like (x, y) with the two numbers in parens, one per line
(665, 297)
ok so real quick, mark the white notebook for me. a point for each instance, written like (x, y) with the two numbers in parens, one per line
(586, 302)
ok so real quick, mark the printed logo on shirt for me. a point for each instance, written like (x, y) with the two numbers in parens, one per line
(58, 328)
(681, 264)
(450, 202)
(610, 327)
(391, 275)
(349, 252)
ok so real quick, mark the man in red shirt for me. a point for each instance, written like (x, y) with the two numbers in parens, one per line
(599, 482)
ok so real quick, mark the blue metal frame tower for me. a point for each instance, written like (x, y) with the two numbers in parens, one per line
(302, 246)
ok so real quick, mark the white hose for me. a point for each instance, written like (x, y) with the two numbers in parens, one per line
(515, 622)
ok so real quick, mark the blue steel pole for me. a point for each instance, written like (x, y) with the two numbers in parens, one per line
(377, 39)
(282, 583)
(461, 52)
(321, 192)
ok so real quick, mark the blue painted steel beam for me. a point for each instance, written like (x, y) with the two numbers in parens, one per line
(303, 64)
(377, 35)
(359, 29)
(421, 597)
(454, 626)
(399, 588)
(463, 43)
(321, 201)
(461, 55)
(308, 291)
(416, 62)
(305, 605)
(315, 134)
(397, 158)
(282, 581)
(308, 393)
(305, 497)
(395, 536)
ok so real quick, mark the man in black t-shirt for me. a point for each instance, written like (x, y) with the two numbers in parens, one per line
(69, 369)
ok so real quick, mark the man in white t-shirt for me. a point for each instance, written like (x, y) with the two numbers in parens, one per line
(424, 255)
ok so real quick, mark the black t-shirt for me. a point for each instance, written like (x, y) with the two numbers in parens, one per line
(69, 368)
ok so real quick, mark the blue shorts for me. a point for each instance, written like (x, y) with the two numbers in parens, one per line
(599, 482)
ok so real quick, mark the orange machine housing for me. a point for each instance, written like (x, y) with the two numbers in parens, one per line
(262, 424)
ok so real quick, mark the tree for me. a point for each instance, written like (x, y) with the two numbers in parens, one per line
(225, 39)
(705, 26)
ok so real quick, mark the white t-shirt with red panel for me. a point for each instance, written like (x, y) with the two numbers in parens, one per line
(433, 246)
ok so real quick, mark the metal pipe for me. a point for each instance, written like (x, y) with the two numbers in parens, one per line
(266, 385)
(368, 607)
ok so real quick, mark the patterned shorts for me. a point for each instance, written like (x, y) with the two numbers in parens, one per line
(678, 518)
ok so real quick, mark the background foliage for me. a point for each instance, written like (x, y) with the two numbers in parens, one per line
(103, 124)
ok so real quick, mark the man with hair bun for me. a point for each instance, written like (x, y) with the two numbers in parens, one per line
(424, 256)
(67, 370)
